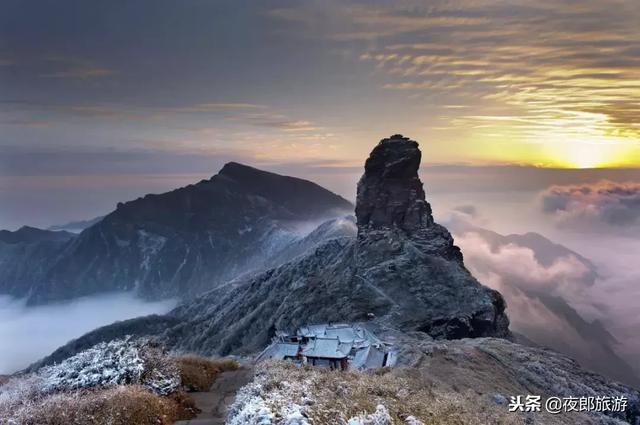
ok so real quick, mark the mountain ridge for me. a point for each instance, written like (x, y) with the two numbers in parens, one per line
(177, 243)
(401, 275)
(402, 269)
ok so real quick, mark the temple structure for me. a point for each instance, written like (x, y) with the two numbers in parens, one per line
(332, 345)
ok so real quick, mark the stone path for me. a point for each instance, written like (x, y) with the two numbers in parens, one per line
(215, 402)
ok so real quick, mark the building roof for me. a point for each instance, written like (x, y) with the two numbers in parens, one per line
(344, 334)
(288, 349)
(360, 359)
(325, 329)
(328, 348)
(280, 351)
(331, 341)
(312, 330)
(368, 358)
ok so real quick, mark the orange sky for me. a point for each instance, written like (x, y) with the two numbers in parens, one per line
(90, 94)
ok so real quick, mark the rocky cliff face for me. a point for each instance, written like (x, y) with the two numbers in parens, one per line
(400, 250)
(398, 268)
(179, 243)
(390, 194)
(402, 269)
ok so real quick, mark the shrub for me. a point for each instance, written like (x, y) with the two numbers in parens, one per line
(199, 373)
(227, 364)
(188, 408)
(117, 362)
(120, 382)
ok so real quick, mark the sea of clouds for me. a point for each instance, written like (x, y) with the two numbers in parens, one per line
(30, 333)
(554, 303)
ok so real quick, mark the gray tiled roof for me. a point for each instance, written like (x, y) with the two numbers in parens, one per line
(328, 348)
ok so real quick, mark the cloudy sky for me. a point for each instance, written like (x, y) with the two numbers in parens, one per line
(527, 113)
(105, 101)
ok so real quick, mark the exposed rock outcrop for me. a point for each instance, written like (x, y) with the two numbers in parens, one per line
(390, 193)
(402, 268)
(400, 250)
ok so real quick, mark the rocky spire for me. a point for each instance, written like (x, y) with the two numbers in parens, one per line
(390, 193)
(401, 252)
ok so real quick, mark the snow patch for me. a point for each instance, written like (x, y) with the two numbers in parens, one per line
(379, 417)
(245, 229)
(150, 244)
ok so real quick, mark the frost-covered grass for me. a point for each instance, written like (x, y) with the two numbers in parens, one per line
(118, 362)
(118, 405)
(120, 382)
(284, 394)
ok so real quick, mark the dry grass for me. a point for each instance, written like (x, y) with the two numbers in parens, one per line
(24, 400)
(403, 395)
(199, 373)
(25, 404)
(187, 408)
(120, 405)
(338, 396)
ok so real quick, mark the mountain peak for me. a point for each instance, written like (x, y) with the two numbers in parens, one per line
(29, 234)
(242, 173)
(233, 168)
(390, 193)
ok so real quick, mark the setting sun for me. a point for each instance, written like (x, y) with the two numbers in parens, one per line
(593, 153)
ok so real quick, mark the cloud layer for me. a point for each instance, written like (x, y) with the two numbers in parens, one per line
(30, 333)
(553, 300)
(538, 67)
(590, 206)
(555, 73)
(517, 264)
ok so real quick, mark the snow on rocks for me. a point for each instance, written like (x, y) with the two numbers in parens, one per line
(379, 417)
(293, 415)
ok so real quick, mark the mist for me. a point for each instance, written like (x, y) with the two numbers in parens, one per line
(559, 303)
(30, 333)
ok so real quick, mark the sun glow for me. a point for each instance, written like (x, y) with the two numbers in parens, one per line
(587, 155)
(594, 153)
